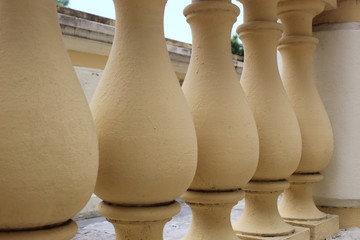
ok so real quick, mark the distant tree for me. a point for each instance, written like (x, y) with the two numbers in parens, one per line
(62, 3)
(236, 47)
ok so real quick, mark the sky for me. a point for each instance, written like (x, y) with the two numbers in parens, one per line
(175, 23)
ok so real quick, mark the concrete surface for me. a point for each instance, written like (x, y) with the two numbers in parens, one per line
(99, 229)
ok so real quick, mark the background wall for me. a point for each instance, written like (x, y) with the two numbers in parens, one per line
(337, 66)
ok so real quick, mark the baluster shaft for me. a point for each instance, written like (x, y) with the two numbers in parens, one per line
(146, 133)
(226, 131)
(279, 134)
(297, 47)
(48, 145)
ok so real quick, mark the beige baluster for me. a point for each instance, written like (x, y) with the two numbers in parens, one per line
(227, 137)
(297, 47)
(49, 150)
(279, 133)
(146, 133)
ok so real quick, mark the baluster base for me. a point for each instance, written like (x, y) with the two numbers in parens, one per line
(64, 232)
(297, 202)
(319, 229)
(261, 218)
(211, 214)
(299, 233)
(139, 222)
(298, 208)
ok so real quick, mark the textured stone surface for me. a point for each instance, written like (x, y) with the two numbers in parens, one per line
(99, 229)
(320, 229)
(347, 234)
(299, 234)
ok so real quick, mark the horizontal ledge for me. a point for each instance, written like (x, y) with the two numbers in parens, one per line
(336, 202)
(336, 26)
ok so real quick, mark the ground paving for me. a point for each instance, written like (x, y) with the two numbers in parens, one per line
(99, 229)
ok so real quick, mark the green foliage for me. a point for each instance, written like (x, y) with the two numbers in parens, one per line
(236, 47)
(62, 3)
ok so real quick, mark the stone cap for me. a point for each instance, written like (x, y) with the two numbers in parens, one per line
(87, 16)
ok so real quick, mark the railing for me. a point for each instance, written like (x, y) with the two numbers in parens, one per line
(222, 141)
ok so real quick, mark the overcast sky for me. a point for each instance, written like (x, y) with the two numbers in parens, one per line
(175, 23)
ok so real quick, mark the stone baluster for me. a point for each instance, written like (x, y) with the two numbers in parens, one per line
(146, 134)
(48, 145)
(226, 130)
(279, 133)
(297, 47)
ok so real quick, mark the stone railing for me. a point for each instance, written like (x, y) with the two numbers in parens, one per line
(145, 141)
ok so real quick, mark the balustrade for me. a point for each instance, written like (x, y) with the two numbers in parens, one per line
(49, 150)
(146, 134)
(296, 47)
(226, 131)
(153, 146)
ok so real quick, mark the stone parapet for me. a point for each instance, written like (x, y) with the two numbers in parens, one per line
(89, 38)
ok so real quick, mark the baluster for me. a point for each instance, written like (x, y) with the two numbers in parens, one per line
(49, 150)
(279, 134)
(297, 47)
(227, 137)
(146, 133)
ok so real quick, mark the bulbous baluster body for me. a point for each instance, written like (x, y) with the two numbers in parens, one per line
(146, 133)
(49, 150)
(297, 47)
(226, 130)
(279, 134)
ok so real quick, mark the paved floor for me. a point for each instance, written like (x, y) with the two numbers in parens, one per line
(99, 229)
